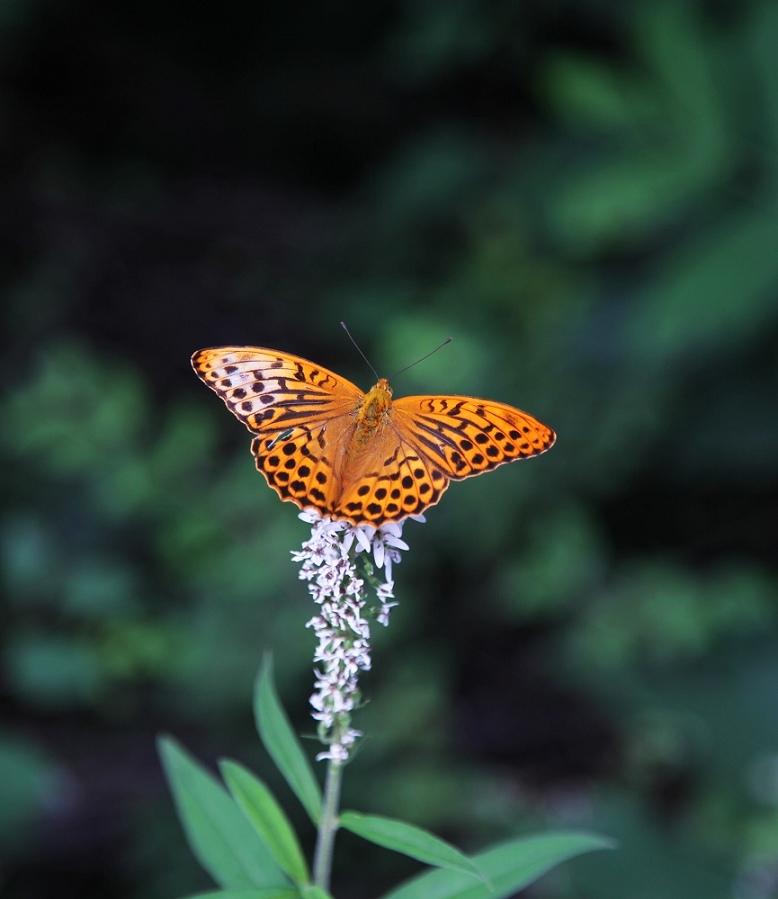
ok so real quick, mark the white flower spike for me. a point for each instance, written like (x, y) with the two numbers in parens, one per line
(341, 625)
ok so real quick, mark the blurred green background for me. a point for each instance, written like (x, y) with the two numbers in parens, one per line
(584, 195)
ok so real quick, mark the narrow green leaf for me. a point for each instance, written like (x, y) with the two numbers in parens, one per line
(510, 867)
(410, 840)
(272, 893)
(282, 745)
(268, 819)
(309, 892)
(688, 301)
(314, 892)
(217, 831)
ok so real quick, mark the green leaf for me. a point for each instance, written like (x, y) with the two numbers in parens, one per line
(272, 893)
(282, 745)
(268, 819)
(688, 303)
(510, 867)
(218, 833)
(410, 840)
(314, 892)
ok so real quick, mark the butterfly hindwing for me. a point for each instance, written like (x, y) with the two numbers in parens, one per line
(391, 482)
(301, 464)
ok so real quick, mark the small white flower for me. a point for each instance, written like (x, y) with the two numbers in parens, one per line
(364, 535)
(386, 610)
(378, 552)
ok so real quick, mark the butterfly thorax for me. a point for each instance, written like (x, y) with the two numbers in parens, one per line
(372, 413)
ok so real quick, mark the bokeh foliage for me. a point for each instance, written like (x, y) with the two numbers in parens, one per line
(585, 196)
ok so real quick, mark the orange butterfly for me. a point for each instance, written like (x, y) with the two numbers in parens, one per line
(324, 444)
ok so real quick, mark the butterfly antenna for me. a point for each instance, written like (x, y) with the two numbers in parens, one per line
(431, 352)
(359, 350)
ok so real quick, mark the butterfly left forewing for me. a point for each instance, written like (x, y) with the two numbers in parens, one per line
(270, 391)
(300, 413)
(465, 436)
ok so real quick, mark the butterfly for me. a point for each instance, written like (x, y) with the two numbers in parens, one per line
(365, 458)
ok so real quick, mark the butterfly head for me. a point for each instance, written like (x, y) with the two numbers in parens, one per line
(384, 386)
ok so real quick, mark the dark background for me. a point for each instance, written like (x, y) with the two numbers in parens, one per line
(584, 195)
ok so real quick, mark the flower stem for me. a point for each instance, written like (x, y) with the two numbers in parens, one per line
(325, 841)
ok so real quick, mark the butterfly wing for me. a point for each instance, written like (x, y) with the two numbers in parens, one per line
(300, 413)
(465, 436)
(390, 482)
(428, 441)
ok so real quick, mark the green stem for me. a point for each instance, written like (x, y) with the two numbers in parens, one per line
(325, 841)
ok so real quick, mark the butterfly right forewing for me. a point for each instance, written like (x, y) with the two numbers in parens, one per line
(465, 436)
